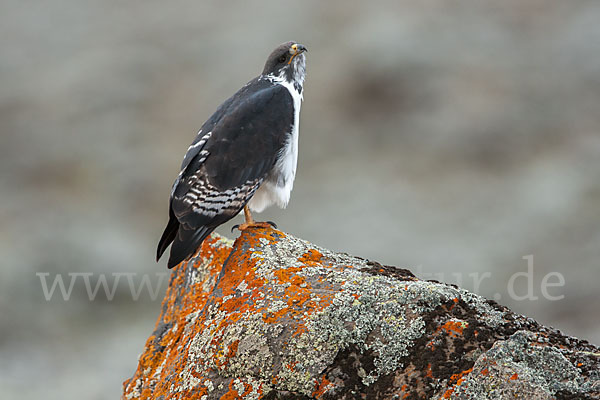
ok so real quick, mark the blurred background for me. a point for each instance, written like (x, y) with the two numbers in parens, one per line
(452, 138)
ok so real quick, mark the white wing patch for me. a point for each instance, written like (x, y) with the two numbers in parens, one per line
(200, 142)
(203, 154)
(206, 200)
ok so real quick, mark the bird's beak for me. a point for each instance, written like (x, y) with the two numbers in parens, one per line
(296, 49)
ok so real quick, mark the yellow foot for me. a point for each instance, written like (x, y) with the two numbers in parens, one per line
(250, 223)
(264, 225)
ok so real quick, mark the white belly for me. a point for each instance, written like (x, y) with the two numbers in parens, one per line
(277, 188)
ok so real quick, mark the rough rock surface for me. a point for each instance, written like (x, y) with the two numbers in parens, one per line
(275, 317)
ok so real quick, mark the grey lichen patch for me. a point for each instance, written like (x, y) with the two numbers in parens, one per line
(377, 314)
(425, 296)
(367, 312)
(549, 367)
(201, 272)
(238, 348)
(136, 391)
(240, 386)
(285, 254)
(422, 296)
(222, 240)
(254, 355)
(488, 314)
(521, 367)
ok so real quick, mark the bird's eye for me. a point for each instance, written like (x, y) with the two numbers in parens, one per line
(282, 58)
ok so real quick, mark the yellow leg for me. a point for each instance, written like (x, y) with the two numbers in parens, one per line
(251, 223)
(249, 219)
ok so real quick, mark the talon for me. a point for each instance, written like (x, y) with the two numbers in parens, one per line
(234, 227)
(273, 224)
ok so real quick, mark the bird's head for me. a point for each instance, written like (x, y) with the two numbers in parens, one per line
(287, 62)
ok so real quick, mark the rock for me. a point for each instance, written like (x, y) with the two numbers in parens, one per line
(275, 317)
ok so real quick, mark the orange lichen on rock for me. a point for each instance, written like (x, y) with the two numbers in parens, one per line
(429, 372)
(457, 379)
(454, 328)
(322, 387)
(274, 316)
(311, 257)
(177, 306)
(298, 295)
(454, 303)
(232, 393)
(448, 393)
(404, 391)
(225, 280)
(430, 345)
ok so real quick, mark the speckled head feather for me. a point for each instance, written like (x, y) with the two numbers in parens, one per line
(287, 62)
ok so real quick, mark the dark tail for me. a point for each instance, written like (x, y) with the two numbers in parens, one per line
(186, 242)
(168, 235)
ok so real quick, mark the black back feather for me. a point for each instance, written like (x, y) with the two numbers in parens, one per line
(219, 176)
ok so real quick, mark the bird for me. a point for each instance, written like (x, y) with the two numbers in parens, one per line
(243, 158)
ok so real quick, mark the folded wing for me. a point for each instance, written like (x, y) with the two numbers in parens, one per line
(233, 154)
